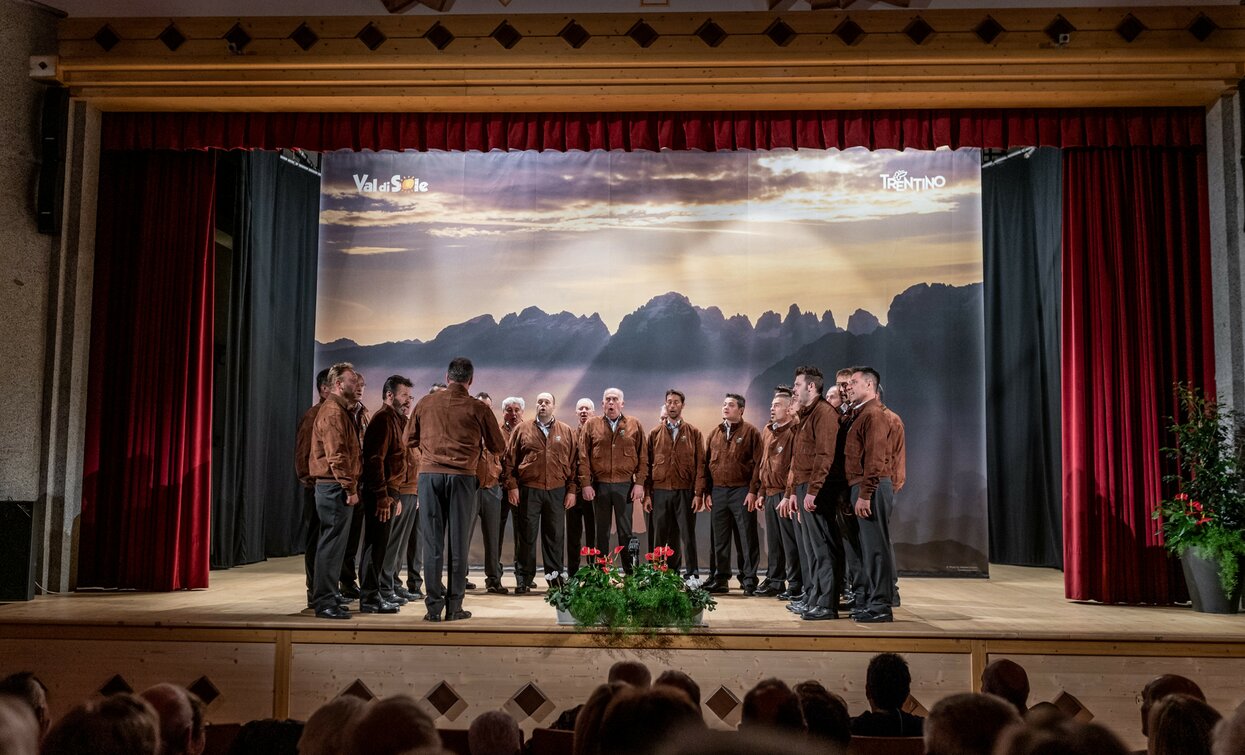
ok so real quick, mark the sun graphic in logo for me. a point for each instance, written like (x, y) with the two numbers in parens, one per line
(408, 183)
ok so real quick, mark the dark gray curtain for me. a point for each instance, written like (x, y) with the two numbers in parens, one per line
(264, 382)
(1021, 209)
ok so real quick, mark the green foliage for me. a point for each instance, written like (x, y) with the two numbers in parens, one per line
(653, 595)
(1208, 511)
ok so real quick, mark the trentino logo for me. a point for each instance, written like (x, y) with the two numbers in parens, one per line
(901, 181)
(395, 185)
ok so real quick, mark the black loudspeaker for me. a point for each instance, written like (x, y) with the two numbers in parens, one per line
(17, 556)
(51, 186)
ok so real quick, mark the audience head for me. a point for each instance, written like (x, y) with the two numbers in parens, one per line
(122, 724)
(1056, 736)
(825, 714)
(1230, 734)
(19, 729)
(1181, 725)
(494, 733)
(888, 682)
(177, 731)
(1008, 680)
(772, 704)
(679, 680)
(967, 724)
(751, 742)
(267, 736)
(631, 672)
(1162, 686)
(25, 686)
(587, 739)
(638, 721)
(393, 725)
(328, 729)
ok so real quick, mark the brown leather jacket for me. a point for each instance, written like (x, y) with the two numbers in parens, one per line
(335, 453)
(607, 455)
(677, 464)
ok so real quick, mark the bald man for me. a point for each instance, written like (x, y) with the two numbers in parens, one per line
(176, 712)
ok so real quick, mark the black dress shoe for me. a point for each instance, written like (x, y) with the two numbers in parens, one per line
(342, 600)
(336, 612)
(819, 613)
(531, 584)
(796, 607)
(432, 617)
(394, 598)
(749, 590)
(768, 591)
(873, 617)
(412, 595)
(717, 588)
(380, 606)
(789, 595)
(520, 590)
(458, 616)
(498, 590)
(471, 585)
(350, 590)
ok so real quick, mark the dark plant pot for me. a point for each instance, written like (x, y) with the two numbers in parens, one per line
(1202, 577)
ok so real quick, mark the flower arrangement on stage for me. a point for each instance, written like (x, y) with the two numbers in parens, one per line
(653, 595)
(1207, 515)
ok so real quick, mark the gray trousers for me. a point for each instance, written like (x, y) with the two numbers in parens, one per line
(311, 520)
(493, 514)
(730, 518)
(541, 513)
(665, 523)
(335, 517)
(580, 532)
(404, 532)
(877, 559)
(612, 504)
(447, 504)
(823, 544)
(775, 557)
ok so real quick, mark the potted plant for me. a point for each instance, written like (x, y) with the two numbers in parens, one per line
(1202, 522)
(653, 595)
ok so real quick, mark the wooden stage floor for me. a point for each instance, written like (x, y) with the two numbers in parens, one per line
(1015, 603)
(250, 637)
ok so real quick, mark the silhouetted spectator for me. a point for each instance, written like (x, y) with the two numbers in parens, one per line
(494, 733)
(1162, 686)
(267, 736)
(1008, 680)
(967, 724)
(1229, 736)
(771, 704)
(329, 728)
(888, 683)
(632, 672)
(639, 721)
(680, 680)
(123, 724)
(391, 726)
(751, 742)
(587, 739)
(1045, 714)
(825, 715)
(19, 729)
(26, 686)
(1181, 725)
(177, 729)
(1058, 737)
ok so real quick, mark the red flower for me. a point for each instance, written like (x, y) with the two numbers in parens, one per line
(603, 560)
(618, 549)
(668, 550)
(594, 552)
(1203, 520)
(1182, 496)
(663, 567)
(649, 556)
(585, 551)
(1196, 505)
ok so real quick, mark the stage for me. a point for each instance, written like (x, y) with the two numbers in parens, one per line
(250, 638)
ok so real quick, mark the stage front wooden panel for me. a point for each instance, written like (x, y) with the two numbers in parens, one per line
(249, 646)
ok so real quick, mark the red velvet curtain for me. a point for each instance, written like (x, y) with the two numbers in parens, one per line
(814, 129)
(1136, 318)
(147, 466)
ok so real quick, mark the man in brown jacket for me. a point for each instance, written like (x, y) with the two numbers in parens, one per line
(302, 458)
(351, 568)
(868, 468)
(580, 522)
(782, 573)
(613, 467)
(732, 458)
(540, 469)
(384, 468)
(334, 463)
(815, 495)
(450, 428)
(676, 483)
